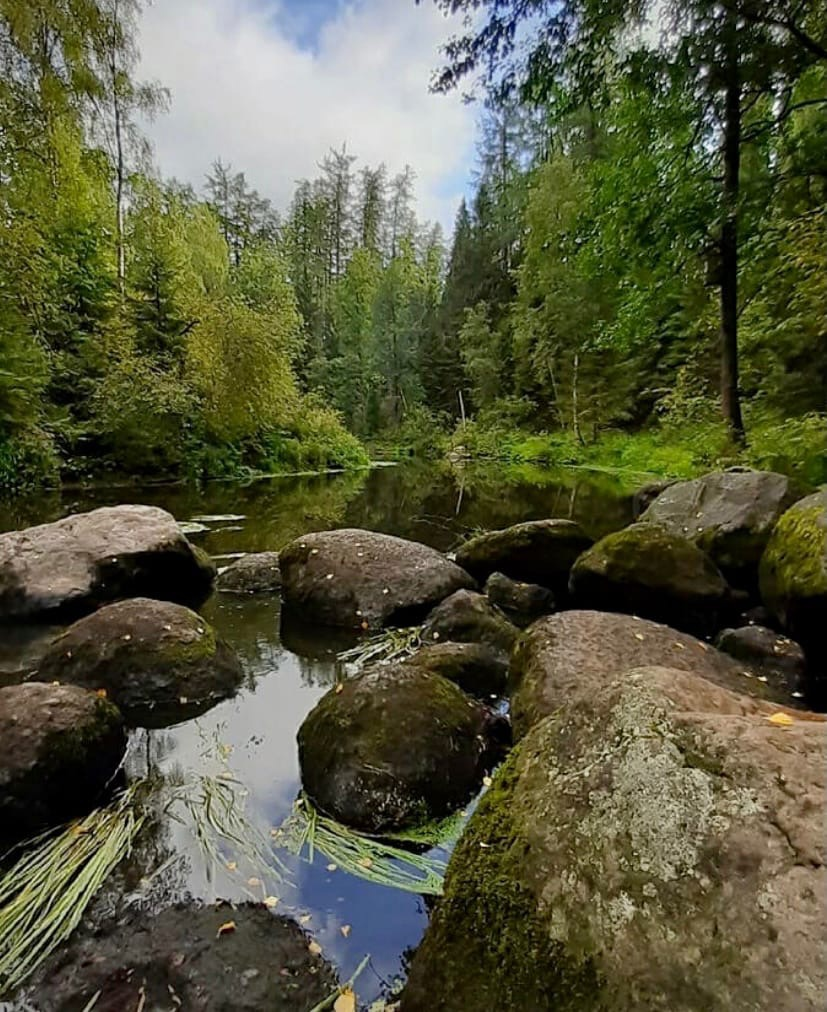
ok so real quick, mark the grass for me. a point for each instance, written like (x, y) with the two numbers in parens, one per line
(387, 646)
(307, 832)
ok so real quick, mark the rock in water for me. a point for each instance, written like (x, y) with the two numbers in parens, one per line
(356, 578)
(257, 573)
(794, 583)
(476, 668)
(73, 565)
(728, 514)
(159, 662)
(59, 746)
(557, 655)
(644, 570)
(522, 602)
(393, 748)
(539, 551)
(656, 845)
(774, 656)
(468, 617)
(178, 958)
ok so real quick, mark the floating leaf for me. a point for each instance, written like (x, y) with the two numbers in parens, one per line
(231, 866)
(271, 901)
(332, 867)
(346, 1002)
(345, 929)
(254, 883)
(227, 928)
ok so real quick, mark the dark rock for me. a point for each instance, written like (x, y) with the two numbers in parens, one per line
(356, 578)
(70, 567)
(773, 656)
(159, 662)
(468, 617)
(540, 551)
(560, 654)
(522, 602)
(728, 514)
(644, 497)
(264, 965)
(474, 667)
(257, 573)
(656, 845)
(759, 615)
(59, 747)
(21, 649)
(644, 570)
(392, 748)
(794, 583)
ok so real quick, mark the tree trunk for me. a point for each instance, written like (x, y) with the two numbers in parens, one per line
(730, 397)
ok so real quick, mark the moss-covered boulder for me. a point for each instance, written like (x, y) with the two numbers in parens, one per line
(794, 581)
(468, 617)
(521, 602)
(539, 551)
(159, 662)
(476, 668)
(178, 959)
(257, 573)
(558, 655)
(645, 570)
(59, 747)
(394, 747)
(70, 567)
(657, 845)
(772, 655)
(729, 514)
(361, 579)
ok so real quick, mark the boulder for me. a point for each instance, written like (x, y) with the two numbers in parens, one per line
(539, 551)
(70, 567)
(646, 495)
(728, 514)
(558, 655)
(645, 570)
(657, 845)
(393, 748)
(257, 573)
(356, 578)
(177, 959)
(59, 747)
(794, 581)
(522, 602)
(159, 662)
(476, 668)
(775, 657)
(468, 617)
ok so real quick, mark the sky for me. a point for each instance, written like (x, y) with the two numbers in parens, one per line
(271, 85)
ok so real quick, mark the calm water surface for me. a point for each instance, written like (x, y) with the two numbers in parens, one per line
(288, 670)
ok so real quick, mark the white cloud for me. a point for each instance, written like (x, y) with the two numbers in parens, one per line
(242, 89)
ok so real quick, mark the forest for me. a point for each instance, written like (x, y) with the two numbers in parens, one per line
(638, 277)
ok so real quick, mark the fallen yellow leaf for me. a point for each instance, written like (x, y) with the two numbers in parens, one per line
(639, 636)
(332, 867)
(781, 719)
(487, 781)
(365, 862)
(101, 693)
(227, 928)
(254, 882)
(345, 929)
(339, 687)
(314, 949)
(346, 1002)
(271, 901)
(231, 866)
(305, 918)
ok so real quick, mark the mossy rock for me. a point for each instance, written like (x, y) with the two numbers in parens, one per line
(794, 577)
(476, 668)
(728, 514)
(521, 602)
(645, 570)
(59, 747)
(648, 847)
(159, 662)
(468, 617)
(257, 573)
(538, 551)
(393, 748)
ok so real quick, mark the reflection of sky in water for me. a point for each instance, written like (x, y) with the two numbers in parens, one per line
(260, 725)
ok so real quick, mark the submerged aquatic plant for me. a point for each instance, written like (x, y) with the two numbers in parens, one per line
(383, 861)
(390, 645)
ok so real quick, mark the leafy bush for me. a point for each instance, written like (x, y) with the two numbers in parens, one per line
(26, 461)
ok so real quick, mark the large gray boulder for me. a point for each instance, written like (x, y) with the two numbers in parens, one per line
(557, 655)
(645, 570)
(394, 747)
(539, 551)
(72, 566)
(468, 617)
(159, 662)
(654, 846)
(794, 582)
(59, 746)
(728, 514)
(356, 578)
